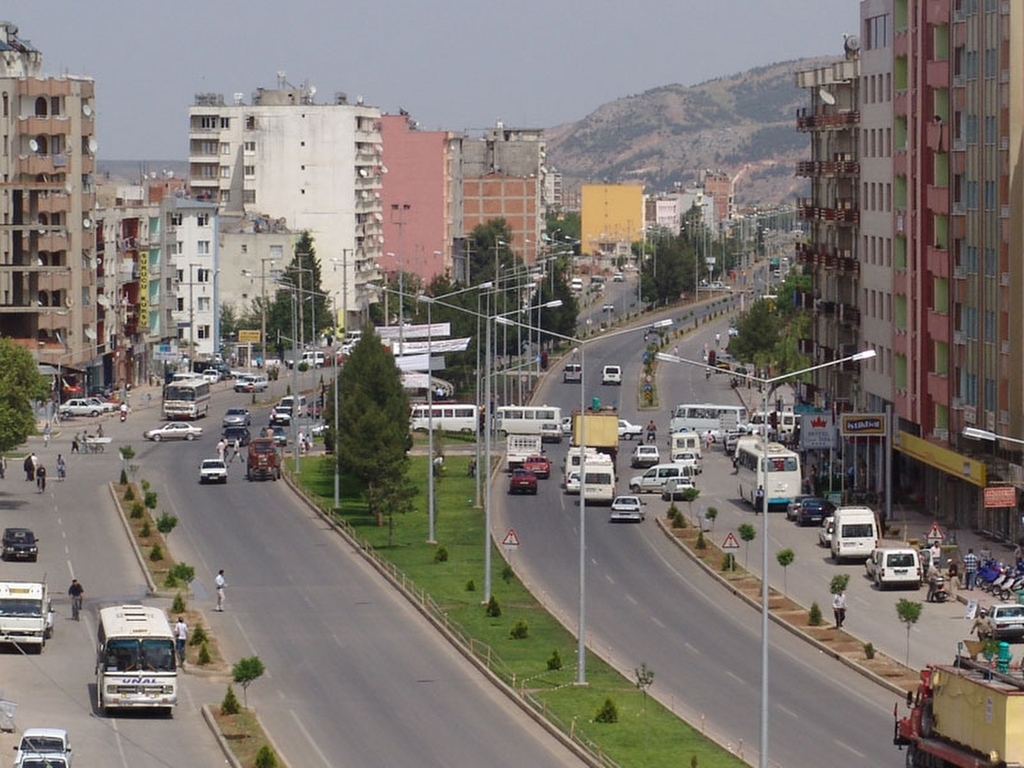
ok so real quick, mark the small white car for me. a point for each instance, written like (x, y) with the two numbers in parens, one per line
(825, 531)
(567, 426)
(608, 308)
(627, 508)
(213, 471)
(628, 430)
(82, 406)
(645, 456)
(550, 432)
(572, 482)
(611, 374)
(618, 277)
(174, 430)
(43, 746)
(688, 459)
(674, 488)
(212, 375)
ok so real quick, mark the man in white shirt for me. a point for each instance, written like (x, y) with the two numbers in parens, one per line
(180, 636)
(220, 583)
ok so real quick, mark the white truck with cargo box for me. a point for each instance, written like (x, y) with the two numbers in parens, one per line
(520, 447)
(26, 614)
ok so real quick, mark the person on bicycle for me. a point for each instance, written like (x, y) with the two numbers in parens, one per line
(76, 591)
(652, 431)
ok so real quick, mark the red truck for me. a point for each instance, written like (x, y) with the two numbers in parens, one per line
(264, 460)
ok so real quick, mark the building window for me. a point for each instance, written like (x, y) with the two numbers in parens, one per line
(876, 32)
(225, 172)
(202, 219)
(249, 196)
(180, 302)
(208, 122)
(249, 146)
(250, 171)
(250, 122)
(203, 332)
(203, 247)
(225, 148)
(225, 196)
(175, 219)
(225, 123)
(203, 303)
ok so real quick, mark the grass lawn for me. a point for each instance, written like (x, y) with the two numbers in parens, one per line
(643, 735)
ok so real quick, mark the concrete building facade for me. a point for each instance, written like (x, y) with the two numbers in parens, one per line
(48, 241)
(317, 166)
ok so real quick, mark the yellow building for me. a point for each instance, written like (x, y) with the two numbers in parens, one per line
(611, 218)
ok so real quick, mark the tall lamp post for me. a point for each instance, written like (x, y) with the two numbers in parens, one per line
(581, 638)
(430, 301)
(767, 386)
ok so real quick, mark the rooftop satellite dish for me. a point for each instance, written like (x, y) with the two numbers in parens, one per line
(852, 43)
(87, 223)
(68, 188)
(312, 90)
(33, 145)
(87, 110)
(93, 146)
(826, 96)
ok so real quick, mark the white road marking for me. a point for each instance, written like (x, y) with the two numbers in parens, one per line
(309, 739)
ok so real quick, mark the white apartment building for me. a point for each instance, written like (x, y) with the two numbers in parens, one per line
(316, 166)
(193, 248)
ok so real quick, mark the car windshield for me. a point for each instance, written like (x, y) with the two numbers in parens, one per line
(42, 744)
(902, 560)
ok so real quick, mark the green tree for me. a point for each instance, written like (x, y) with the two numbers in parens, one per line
(909, 612)
(785, 558)
(229, 320)
(20, 385)
(246, 672)
(747, 533)
(485, 249)
(373, 431)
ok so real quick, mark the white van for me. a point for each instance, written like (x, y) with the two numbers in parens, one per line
(678, 442)
(897, 567)
(855, 533)
(573, 372)
(572, 458)
(599, 480)
(654, 479)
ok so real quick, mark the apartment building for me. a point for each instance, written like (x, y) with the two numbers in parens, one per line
(317, 166)
(48, 241)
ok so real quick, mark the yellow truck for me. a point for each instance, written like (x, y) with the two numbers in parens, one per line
(600, 429)
(967, 715)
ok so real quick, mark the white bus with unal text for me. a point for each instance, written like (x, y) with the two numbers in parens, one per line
(135, 662)
(187, 399)
(777, 471)
(708, 417)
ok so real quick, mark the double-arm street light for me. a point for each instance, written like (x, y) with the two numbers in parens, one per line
(581, 635)
(767, 386)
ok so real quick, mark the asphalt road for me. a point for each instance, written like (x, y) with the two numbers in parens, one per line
(646, 603)
(355, 676)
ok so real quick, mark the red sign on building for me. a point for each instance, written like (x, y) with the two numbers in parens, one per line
(1000, 496)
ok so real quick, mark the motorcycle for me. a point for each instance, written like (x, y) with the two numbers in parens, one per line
(124, 415)
(937, 590)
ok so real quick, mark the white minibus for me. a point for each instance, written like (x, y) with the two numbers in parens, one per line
(854, 533)
(525, 419)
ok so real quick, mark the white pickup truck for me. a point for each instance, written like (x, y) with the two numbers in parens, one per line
(520, 447)
(26, 614)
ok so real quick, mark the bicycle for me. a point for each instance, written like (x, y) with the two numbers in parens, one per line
(76, 607)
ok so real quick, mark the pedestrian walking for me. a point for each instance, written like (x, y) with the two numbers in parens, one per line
(41, 478)
(839, 608)
(759, 500)
(953, 574)
(237, 449)
(935, 554)
(933, 578)
(180, 637)
(74, 444)
(220, 583)
(29, 467)
(221, 447)
(62, 470)
(3, 466)
(99, 430)
(47, 431)
(970, 568)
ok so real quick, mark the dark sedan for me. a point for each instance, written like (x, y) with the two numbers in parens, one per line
(813, 510)
(20, 544)
(241, 434)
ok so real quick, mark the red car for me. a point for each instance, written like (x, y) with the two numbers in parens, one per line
(539, 465)
(522, 481)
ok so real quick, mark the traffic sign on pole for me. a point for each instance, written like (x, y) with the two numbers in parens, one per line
(730, 542)
(511, 539)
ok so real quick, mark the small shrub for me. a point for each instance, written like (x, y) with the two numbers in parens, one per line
(441, 554)
(204, 655)
(673, 510)
(137, 510)
(555, 660)
(607, 713)
(869, 651)
(165, 523)
(145, 486)
(229, 704)
(265, 758)
(814, 615)
(701, 543)
(145, 531)
(493, 608)
(183, 572)
(471, 586)
(839, 583)
(171, 581)
(150, 499)
(678, 521)
(178, 606)
(520, 630)
(507, 574)
(728, 562)
(156, 554)
(129, 493)
(199, 636)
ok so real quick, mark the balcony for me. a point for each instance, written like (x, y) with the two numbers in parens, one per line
(805, 121)
(845, 212)
(936, 74)
(848, 314)
(900, 100)
(937, 199)
(937, 260)
(809, 168)
(937, 12)
(935, 135)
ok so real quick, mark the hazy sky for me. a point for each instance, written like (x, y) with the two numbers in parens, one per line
(453, 64)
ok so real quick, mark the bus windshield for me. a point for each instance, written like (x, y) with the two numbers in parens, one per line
(146, 655)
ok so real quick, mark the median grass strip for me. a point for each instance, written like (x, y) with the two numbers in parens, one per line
(451, 572)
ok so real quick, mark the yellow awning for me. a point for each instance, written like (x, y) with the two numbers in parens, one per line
(950, 462)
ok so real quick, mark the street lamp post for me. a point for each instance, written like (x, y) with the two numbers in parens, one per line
(767, 386)
(581, 639)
